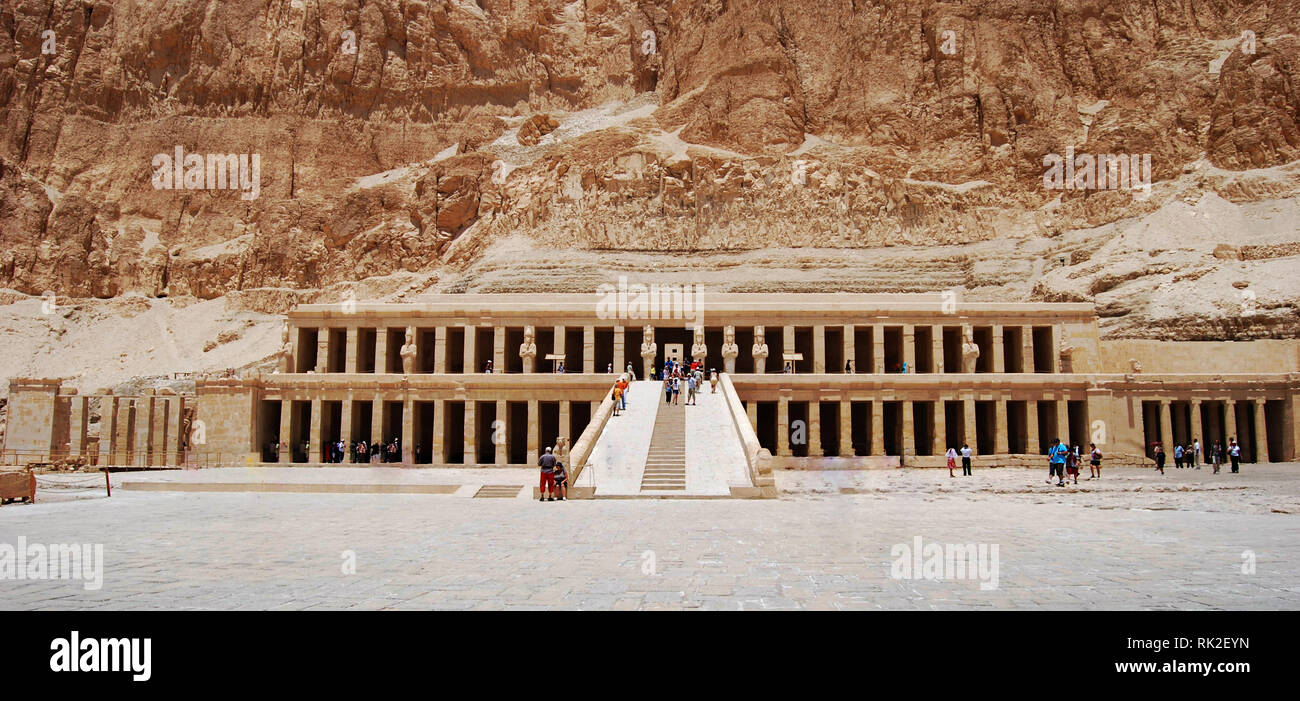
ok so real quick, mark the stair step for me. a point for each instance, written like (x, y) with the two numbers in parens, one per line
(498, 491)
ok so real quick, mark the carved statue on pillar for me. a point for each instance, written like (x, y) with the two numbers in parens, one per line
(730, 351)
(1067, 352)
(760, 349)
(286, 351)
(970, 351)
(699, 349)
(648, 351)
(408, 351)
(1134, 366)
(528, 349)
(561, 451)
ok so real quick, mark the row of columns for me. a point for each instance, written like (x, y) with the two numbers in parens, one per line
(499, 350)
(157, 440)
(1230, 420)
(470, 435)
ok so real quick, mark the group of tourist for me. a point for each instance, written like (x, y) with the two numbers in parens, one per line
(1189, 456)
(1063, 462)
(555, 480)
(363, 452)
(676, 375)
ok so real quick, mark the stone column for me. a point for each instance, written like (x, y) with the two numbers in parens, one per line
(121, 434)
(878, 356)
(381, 350)
(1063, 419)
(620, 359)
(1027, 349)
(909, 347)
(107, 428)
(1230, 423)
(533, 430)
(850, 351)
(999, 351)
(783, 426)
(408, 430)
(751, 410)
(143, 424)
(1167, 428)
(846, 428)
(564, 426)
(877, 426)
(440, 349)
(1001, 442)
(377, 421)
(589, 350)
(940, 446)
(1198, 432)
(77, 427)
(787, 346)
(158, 431)
(559, 350)
(969, 426)
(352, 350)
(470, 357)
(314, 444)
(322, 349)
(814, 429)
(1032, 446)
(438, 454)
(909, 427)
(501, 433)
(819, 349)
(1261, 432)
(471, 432)
(499, 349)
(286, 425)
(345, 429)
(936, 350)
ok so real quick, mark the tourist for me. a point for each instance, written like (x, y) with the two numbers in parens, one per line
(965, 460)
(1216, 456)
(713, 380)
(668, 390)
(617, 396)
(340, 451)
(1056, 458)
(559, 369)
(691, 386)
(848, 367)
(610, 369)
(1196, 453)
(788, 368)
(561, 481)
(1072, 463)
(487, 367)
(630, 374)
(1094, 461)
(1234, 453)
(1160, 458)
(677, 388)
(547, 463)
(952, 460)
(623, 385)
(1178, 456)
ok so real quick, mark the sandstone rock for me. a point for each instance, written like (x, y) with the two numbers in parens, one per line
(535, 128)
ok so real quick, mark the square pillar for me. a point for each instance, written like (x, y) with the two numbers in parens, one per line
(107, 428)
(620, 362)
(1230, 423)
(999, 353)
(77, 428)
(589, 350)
(850, 353)
(176, 439)
(381, 350)
(314, 444)
(345, 429)
(143, 425)
(936, 351)
(751, 411)
(1031, 427)
(564, 425)
(819, 350)
(783, 426)
(408, 431)
(909, 427)
(471, 349)
(1167, 428)
(940, 446)
(878, 357)
(436, 456)
(471, 432)
(1261, 432)
(558, 332)
(1063, 419)
(968, 418)
(533, 430)
(158, 431)
(350, 353)
(440, 350)
(377, 421)
(499, 349)
(846, 427)
(787, 346)
(1001, 442)
(814, 429)
(501, 434)
(909, 348)
(1196, 427)
(322, 349)
(877, 427)
(121, 440)
(1027, 349)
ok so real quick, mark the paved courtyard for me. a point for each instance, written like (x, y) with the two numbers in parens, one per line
(1134, 540)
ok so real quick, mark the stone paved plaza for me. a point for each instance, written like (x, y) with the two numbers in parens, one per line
(1134, 540)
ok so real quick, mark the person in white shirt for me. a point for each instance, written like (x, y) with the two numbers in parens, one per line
(965, 460)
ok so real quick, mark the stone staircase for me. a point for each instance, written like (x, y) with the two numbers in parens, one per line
(498, 491)
(665, 465)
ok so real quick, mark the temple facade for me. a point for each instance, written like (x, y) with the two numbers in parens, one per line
(825, 380)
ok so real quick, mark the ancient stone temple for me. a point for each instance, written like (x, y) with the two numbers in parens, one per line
(812, 380)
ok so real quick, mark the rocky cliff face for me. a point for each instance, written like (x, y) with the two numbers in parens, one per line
(458, 144)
